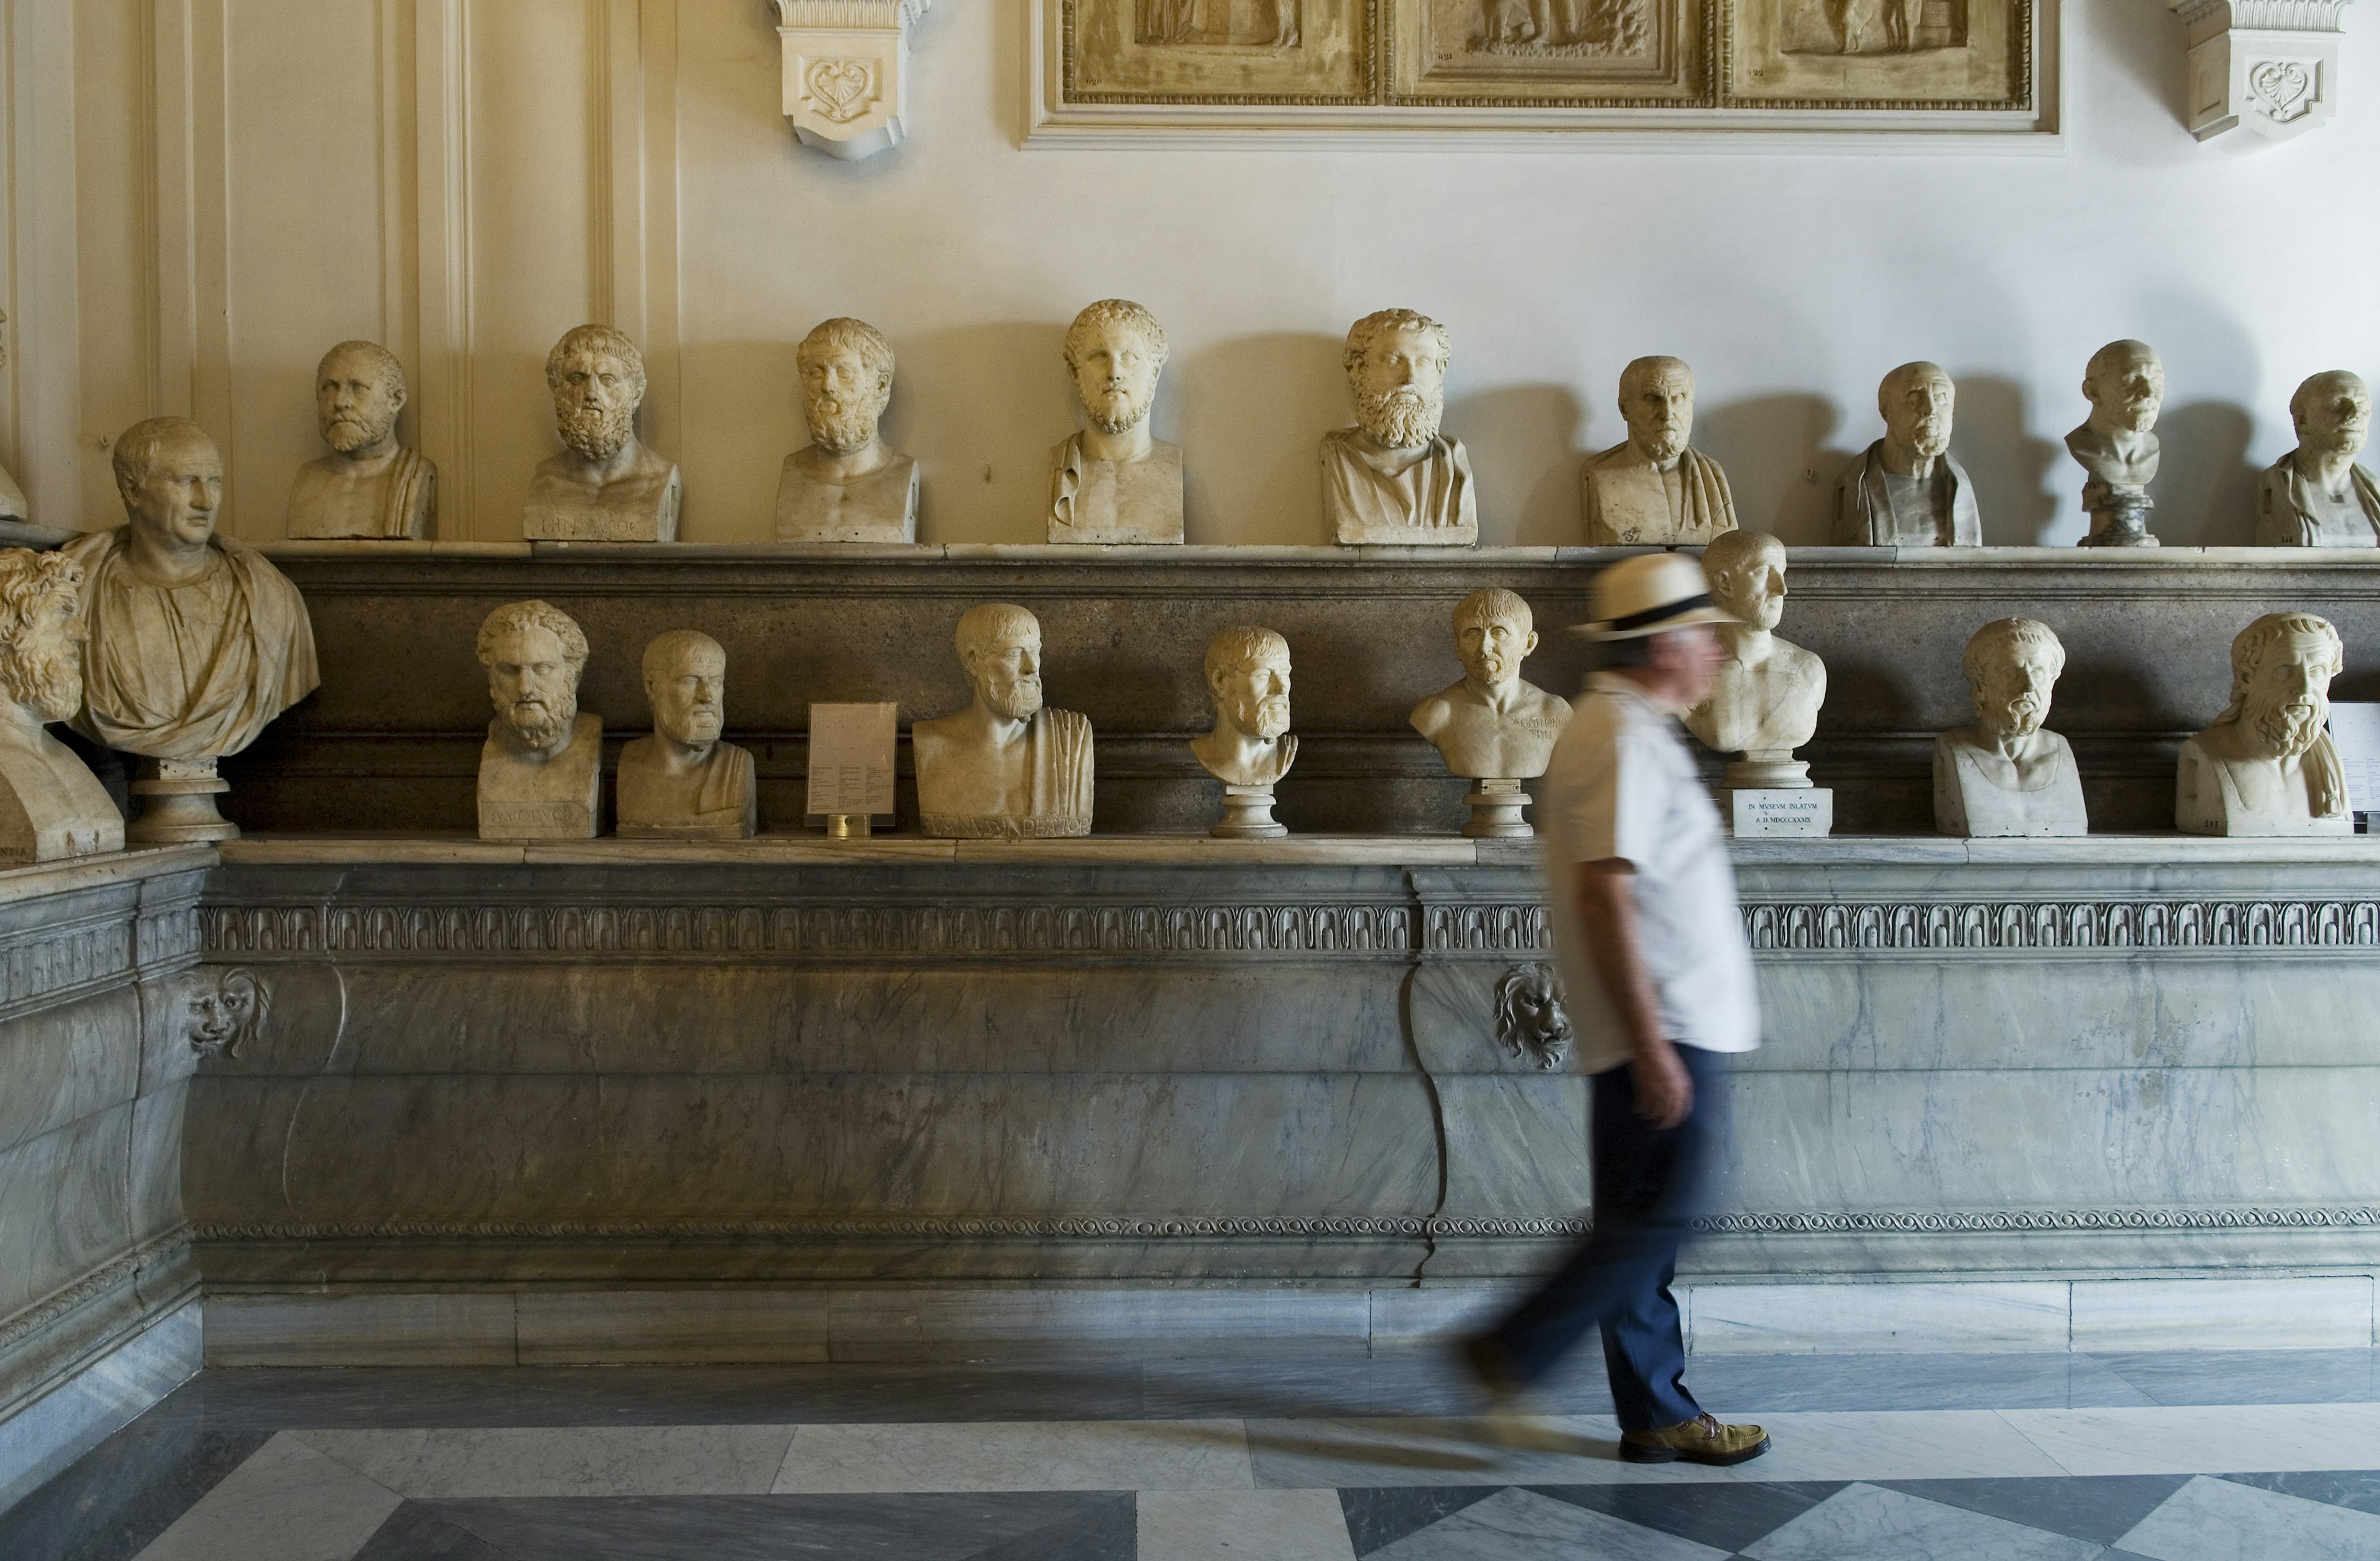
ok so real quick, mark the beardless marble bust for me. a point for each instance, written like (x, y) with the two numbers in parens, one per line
(1007, 766)
(1908, 490)
(1655, 487)
(369, 485)
(847, 485)
(51, 805)
(541, 767)
(682, 783)
(2117, 445)
(607, 485)
(1394, 478)
(1115, 482)
(1765, 703)
(1489, 724)
(2008, 775)
(1247, 681)
(2267, 765)
(2316, 496)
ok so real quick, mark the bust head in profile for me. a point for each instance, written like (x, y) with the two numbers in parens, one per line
(2316, 496)
(369, 485)
(1006, 765)
(606, 485)
(1247, 681)
(1115, 482)
(2008, 774)
(1492, 725)
(1655, 487)
(51, 806)
(682, 783)
(540, 769)
(2267, 765)
(847, 485)
(1395, 477)
(1765, 703)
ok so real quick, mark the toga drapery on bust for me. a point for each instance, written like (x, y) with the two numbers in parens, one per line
(188, 671)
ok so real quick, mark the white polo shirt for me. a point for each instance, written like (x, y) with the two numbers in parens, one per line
(1621, 785)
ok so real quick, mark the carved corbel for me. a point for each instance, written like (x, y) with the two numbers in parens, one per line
(848, 72)
(2269, 66)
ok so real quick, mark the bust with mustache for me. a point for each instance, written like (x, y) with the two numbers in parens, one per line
(1007, 767)
(2267, 765)
(2316, 496)
(2117, 445)
(51, 805)
(1115, 482)
(682, 783)
(1247, 681)
(368, 486)
(848, 485)
(1765, 703)
(1394, 478)
(2008, 775)
(1908, 490)
(606, 485)
(1489, 724)
(541, 767)
(1655, 489)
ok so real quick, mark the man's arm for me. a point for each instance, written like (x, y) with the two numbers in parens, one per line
(1607, 912)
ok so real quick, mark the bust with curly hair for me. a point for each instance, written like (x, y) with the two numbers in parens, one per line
(1395, 477)
(541, 767)
(606, 485)
(51, 806)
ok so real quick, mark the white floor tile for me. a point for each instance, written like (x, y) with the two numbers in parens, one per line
(1018, 1456)
(1244, 1525)
(287, 1503)
(2223, 1439)
(1862, 1523)
(2216, 1521)
(639, 1460)
(1524, 1526)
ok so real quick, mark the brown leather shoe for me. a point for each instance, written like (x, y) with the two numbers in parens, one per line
(1700, 1440)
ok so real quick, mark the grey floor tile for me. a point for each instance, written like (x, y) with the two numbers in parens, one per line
(2350, 1488)
(1516, 1525)
(1093, 1526)
(2258, 1376)
(416, 1532)
(2211, 1520)
(289, 1503)
(2099, 1508)
(1382, 1514)
(1729, 1517)
(1775, 1383)
(129, 1489)
(1864, 1522)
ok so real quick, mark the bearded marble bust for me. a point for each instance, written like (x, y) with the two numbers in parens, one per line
(1908, 490)
(1247, 680)
(1115, 482)
(848, 485)
(541, 767)
(1007, 766)
(1490, 724)
(2008, 775)
(1655, 487)
(606, 485)
(682, 783)
(369, 485)
(1765, 702)
(2267, 765)
(1394, 478)
(51, 805)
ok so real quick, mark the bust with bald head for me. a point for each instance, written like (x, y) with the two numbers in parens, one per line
(1765, 703)
(2117, 445)
(2316, 496)
(682, 783)
(1115, 480)
(606, 485)
(368, 486)
(847, 485)
(1007, 767)
(1655, 489)
(1908, 490)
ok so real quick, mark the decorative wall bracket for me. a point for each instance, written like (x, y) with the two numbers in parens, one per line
(848, 72)
(2269, 66)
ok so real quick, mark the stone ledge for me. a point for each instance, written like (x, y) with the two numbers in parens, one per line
(41, 879)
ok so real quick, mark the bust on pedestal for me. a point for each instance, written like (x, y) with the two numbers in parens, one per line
(541, 767)
(2007, 775)
(50, 804)
(2316, 496)
(1007, 767)
(1115, 482)
(1490, 727)
(368, 486)
(1250, 748)
(683, 783)
(847, 485)
(607, 485)
(1394, 478)
(197, 642)
(2267, 765)
(2118, 444)
(1765, 703)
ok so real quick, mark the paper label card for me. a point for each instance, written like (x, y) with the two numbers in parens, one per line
(851, 759)
(2356, 730)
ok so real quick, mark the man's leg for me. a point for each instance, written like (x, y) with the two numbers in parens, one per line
(1662, 1179)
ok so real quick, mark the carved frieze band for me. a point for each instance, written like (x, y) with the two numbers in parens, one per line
(66, 961)
(1932, 1222)
(166, 1252)
(1937, 927)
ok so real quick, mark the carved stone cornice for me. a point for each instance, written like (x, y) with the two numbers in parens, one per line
(1934, 1222)
(2269, 67)
(846, 72)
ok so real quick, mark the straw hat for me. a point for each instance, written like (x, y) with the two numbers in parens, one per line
(1649, 594)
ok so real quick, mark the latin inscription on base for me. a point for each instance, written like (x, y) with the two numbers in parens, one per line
(1802, 810)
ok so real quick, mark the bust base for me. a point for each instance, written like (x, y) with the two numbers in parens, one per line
(1496, 812)
(1779, 812)
(1755, 773)
(177, 804)
(1247, 816)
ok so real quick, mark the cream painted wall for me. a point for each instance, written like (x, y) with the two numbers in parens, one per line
(468, 178)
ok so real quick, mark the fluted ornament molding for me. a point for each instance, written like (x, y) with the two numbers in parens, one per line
(848, 72)
(2266, 68)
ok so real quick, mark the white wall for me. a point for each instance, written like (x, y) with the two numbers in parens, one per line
(468, 178)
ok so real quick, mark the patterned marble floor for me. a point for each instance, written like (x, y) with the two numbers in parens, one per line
(2176, 1457)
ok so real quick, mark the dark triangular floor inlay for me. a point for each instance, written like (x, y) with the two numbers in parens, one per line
(1008, 1526)
(1382, 1516)
(2101, 1509)
(416, 1531)
(1723, 1516)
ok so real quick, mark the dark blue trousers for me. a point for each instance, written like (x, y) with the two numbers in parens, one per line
(1649, 1185)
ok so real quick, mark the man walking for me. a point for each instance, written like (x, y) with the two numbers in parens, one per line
(1659, 982)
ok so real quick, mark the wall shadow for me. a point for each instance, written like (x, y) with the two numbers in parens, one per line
(1501, 428)
(998, 402)
(2012, 470)
(1252, 410)
(1780, 463)
(2205, 456)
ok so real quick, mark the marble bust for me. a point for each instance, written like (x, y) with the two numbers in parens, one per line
(2267, 765)
(1115, 482)
(1655, 487)
(2118, 444)
(197, 642)
(1908, 490)
(2316, 496)
(541, 767)
(1250, 747)
(1765, 701)
(51, 805)
(1489, 726)
(682, 783)
(2008, 774)
(1007, 766)
(607, 485)
(1394, 478)
(847, 485)
(369, 485)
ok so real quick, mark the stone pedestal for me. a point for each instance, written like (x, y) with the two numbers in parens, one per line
(1770, 812)
(177, 804)
(1496, 812)
(2122, 522)
(1247, 816)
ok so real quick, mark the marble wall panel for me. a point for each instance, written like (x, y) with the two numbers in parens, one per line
(64, 1206)
(62, 1064)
